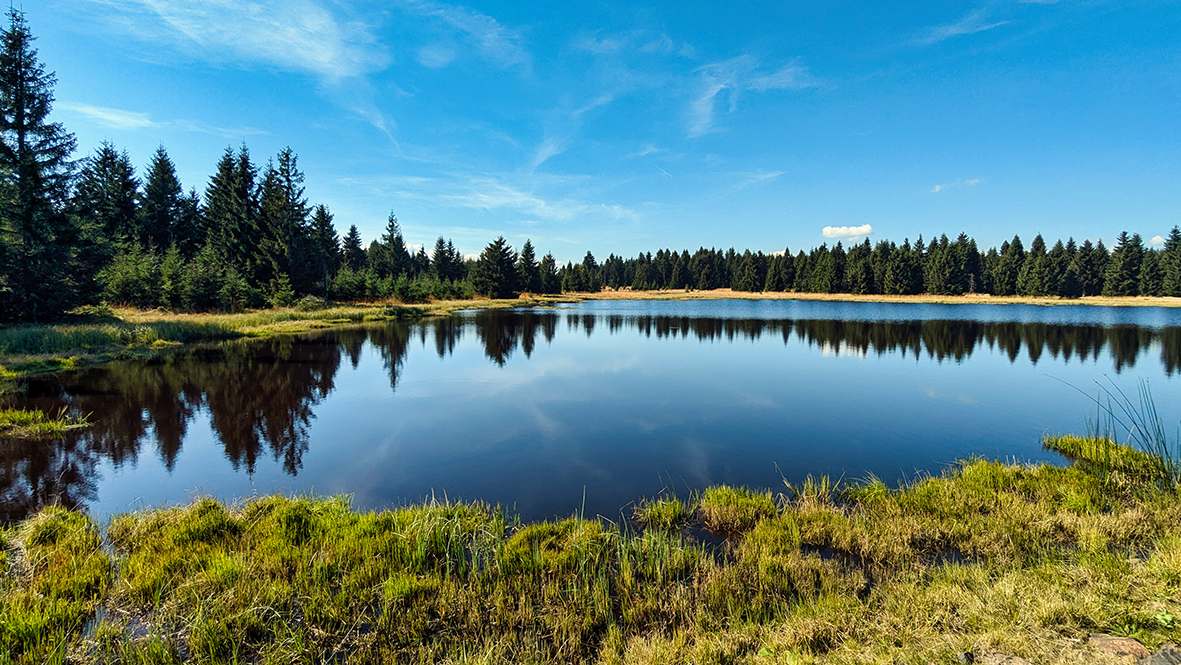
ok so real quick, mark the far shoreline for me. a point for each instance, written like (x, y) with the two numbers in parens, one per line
(967, 299)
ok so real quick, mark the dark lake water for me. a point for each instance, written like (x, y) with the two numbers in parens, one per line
(552, 411)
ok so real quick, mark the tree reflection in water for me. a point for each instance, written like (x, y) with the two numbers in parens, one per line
(260, 396)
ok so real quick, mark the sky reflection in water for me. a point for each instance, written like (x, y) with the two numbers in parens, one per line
(615, 399)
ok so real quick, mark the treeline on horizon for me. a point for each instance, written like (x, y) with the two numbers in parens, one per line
(80, 233)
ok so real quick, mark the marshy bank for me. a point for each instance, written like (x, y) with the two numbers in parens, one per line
(1024, 560)
(95, 335)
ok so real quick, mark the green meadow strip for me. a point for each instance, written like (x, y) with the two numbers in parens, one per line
(986, 558)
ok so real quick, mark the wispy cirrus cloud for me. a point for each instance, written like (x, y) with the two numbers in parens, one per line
(311, 37)
(498, 44)
(529, 197)
(975, 22)
(733, 77)
(123, 120)
(498, 194)
(303, 36)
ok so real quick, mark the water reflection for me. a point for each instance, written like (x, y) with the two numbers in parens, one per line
(260, 397)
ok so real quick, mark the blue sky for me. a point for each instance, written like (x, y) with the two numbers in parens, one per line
(622, 128)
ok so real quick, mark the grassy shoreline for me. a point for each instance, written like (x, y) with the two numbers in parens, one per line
(987, 559)
(969, 299)
(28, 350)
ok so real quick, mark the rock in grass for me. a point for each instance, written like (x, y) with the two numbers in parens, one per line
(1119, 646)
(1169, 654)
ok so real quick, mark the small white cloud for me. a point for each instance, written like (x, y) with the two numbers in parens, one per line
(1157, 241)
(970, 182)
(847, 231)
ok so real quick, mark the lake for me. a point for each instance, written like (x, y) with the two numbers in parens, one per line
(590, 407)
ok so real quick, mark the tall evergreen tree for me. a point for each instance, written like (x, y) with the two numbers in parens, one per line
(495, 272)
(353, 254)
(904, 272)
(106, 206)
(161, 202)
(231, 212)
(1123, 269)
(391, 258)
(38, 274)
(107, 196)
(323, 249)
(1008, 268)
(1171, 264)
(550, 283)
(286, 243)
(1151, 274)
(528, 274)
(1034, 274)
(1090, 264)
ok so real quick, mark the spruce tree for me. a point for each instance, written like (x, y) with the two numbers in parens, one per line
(528, 275)
(323, 249)
(106, 207)
(392, 259)
(495, 273)
(38, 272)
(161, 205)
(231, 212)
(107, 196)
(353, 254)
(1031, 280)
(1123, 269)
(189, 232)
(550, 283)
(1151, 274)
(1008, 268)
(1171, 260)
(286, 243)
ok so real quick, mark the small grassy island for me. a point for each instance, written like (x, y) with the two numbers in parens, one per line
(987, 561)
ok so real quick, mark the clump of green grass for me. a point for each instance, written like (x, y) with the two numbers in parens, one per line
(1104, 457)
(34, 424)
(734, 510)
(666, 513)
(62, 577)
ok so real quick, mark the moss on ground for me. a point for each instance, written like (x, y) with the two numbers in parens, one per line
(988, 557)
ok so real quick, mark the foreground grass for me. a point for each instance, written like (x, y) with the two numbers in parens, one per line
(990, 557)
(29, 350)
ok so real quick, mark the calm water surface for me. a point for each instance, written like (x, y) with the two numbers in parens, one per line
(590, 407)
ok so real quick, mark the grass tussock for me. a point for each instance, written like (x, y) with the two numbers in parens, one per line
(734, 510)
(26, 424)
(986, 558)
